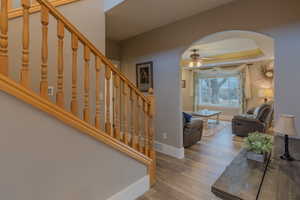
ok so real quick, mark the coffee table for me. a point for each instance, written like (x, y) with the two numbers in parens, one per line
(206, 114)
(276, 179)
(241, 180)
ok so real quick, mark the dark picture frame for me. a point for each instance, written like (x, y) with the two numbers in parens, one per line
(144, 76)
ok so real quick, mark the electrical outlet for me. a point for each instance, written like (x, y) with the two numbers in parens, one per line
(165, 135)
(50, 91)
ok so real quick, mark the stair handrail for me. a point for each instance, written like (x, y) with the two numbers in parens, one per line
(138, 136)
(93, 48)
(34, 7)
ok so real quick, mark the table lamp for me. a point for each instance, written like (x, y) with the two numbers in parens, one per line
(286, 125)
(266, 93)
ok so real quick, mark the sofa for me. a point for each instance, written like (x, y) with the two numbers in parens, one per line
(257, 119)
(192, 131)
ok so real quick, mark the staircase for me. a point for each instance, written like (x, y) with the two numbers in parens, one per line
(128, 114)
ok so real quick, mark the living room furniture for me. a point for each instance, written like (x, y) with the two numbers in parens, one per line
(192, 131)
(286, 126)
(206, 114)
(258, 119)
(246, 179)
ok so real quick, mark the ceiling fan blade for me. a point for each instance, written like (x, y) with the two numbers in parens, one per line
(207, 58)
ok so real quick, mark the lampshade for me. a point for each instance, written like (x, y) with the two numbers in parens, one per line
(286, 125)
(265, 92)
(269, 92)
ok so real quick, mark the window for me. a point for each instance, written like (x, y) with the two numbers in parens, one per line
(221, 91)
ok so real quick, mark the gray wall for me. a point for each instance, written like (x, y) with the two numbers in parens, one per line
(42, 158)
(167, 92)
(279, 19)
(112, 50)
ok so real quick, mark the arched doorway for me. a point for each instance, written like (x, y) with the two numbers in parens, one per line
(230, 72)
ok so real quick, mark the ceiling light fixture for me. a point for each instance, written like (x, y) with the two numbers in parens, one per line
(195, 59)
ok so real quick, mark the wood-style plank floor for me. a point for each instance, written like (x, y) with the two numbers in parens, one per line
(191, 178)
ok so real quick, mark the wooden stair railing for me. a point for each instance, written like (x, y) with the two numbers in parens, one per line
(15, 11)
(128, 115)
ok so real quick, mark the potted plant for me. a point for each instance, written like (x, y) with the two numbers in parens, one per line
(258, 145)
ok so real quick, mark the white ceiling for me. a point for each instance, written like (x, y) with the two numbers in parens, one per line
(133, 17)
(109, 4)
(233, 41)
(264, 42)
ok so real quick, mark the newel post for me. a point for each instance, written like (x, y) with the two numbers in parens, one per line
(4, 37)
(152, 154)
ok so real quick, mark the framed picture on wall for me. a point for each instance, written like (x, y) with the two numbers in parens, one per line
(144, 76)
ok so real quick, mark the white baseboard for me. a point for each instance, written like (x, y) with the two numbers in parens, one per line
(169, 150)
(133, 191)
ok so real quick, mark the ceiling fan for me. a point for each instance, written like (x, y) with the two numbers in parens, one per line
(195, 59)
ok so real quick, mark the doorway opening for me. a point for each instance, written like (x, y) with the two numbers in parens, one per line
(227, 76)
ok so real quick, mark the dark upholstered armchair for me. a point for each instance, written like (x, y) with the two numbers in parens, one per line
(257, 119)
(192, 131)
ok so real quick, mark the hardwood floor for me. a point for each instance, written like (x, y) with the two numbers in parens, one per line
(191, 178)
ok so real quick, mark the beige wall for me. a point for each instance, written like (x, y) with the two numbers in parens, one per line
(258, 81)
(42, 158)
(187, 93)
(279, 19)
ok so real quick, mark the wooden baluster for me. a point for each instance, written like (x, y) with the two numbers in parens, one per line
(9, 5)
(137, 121)
(139, 127)
(44, 66)
(4, 38)
(74, 102)
(151, 111)
(120, 108)
(134, 138)
(146, 135)
(126, 138)
(86, 109)
(107, 118)
(60, 64)
(24, 74)
(113, 106)
(152, 154)
(97, 117)
(121, 105)
(117, 108)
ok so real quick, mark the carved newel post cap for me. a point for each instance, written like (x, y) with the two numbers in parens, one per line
(151, 91)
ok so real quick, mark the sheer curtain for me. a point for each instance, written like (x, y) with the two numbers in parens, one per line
(241, 71)
(246, 87)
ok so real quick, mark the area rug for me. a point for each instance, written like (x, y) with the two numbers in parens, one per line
(214, 128)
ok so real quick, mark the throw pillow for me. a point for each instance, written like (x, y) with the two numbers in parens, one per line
(187, 117)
